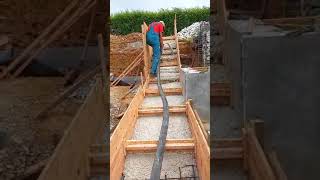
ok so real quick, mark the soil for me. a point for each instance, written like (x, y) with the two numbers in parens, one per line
(123, 50)
(118, 105)
(28, 141)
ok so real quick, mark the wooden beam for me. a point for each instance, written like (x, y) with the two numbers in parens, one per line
(227, 153)
(202, 150)
(169, 38)
(136, 146)
(177, 41)
(102, 62)
(61, 29)
(122, 133)
(227, 142)
(169, 63)
(276, 166)
(295, 20)
(204, 131)
(258, 164)
(227, 148)
(258, 128)
(167, 91)
(168, 141)
(70, 158)
(147, 111)
(40, 38)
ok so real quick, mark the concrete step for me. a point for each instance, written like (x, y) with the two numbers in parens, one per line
(169, 52)
(166, 77)
(169, 45)
(167, 91)
(155, 101)
(169, 38)
(169, 63)
(169, 57)
(169, 69)
(166, 85)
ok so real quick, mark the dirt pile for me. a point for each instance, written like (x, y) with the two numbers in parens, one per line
(123, 50)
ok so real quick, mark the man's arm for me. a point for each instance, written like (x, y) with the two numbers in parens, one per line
(161, 42)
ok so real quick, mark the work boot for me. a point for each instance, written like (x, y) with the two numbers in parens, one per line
(153, 75)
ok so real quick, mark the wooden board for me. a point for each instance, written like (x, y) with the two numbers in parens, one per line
(258, 165)
(177, 42)
(144, 146)
(202, 150)
(122, 132)
(169, 63)
(276, 166)
(227, 148)
(167, 91)
(169, 38)
(70, 158)
(159, 110)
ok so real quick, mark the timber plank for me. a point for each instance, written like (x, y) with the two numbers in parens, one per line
(202, 151)
(167, 91)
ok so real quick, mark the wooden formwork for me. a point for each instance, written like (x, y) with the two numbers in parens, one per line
(120, 143)
(257, 164)
(70, 158)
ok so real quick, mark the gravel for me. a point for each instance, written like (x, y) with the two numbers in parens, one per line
(168, 44)
(198, 32)
(156, 101)
(191, 32)
(148, 128)
(138, 166)
(168, 57)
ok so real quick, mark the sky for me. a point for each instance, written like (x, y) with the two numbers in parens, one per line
(154, 5)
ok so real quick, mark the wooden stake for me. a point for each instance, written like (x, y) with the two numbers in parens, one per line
(102, 61)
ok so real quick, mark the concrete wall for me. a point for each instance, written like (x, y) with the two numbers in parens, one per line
(196, 87)
(280, 79)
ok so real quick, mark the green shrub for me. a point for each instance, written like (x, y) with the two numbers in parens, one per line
(130, 21)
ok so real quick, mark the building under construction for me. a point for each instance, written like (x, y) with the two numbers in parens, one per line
(251, 114)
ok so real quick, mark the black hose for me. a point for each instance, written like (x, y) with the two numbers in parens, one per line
(157, 163)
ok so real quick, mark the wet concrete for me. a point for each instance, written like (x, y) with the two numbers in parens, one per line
(148, 127)
(138, 166)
